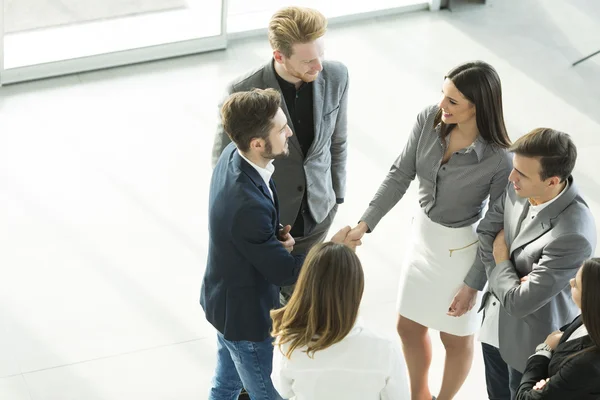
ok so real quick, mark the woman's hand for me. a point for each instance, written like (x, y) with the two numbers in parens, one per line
(540, 385)
(553, 339)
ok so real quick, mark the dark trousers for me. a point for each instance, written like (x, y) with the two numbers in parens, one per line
(304, 243)
(502, 380)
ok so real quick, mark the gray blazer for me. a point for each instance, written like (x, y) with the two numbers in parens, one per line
(550, 250)
(323, 171)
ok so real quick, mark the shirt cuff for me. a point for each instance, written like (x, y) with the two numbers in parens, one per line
(339, 200)
(544, 353)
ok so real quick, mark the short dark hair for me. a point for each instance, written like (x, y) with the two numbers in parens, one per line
(479, 83)
(556, 151)
(248, 115)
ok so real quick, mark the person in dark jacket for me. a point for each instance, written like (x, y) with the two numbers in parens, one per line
(249, 251)
(567, 365)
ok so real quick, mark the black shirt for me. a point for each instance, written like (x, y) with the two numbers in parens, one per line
(299, 103)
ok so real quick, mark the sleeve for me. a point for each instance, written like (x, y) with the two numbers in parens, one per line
(558, 263)
(281, 382)
(254, 236)
(500, 178)
(396, 383)
(221, 139)
(574, 380)
(398, 179)
(339, 147)
(488, 228)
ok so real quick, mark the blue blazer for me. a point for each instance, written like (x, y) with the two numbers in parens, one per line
(246, 263)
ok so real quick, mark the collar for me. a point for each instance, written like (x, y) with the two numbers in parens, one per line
(478, 146)
(540, 207)
(265, 173)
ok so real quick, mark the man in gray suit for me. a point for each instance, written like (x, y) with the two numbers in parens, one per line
(311, 181)
(532, 241)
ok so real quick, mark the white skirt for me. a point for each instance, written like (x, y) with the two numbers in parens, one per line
(434, 269)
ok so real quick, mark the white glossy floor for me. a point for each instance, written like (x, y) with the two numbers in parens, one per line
(103, 189)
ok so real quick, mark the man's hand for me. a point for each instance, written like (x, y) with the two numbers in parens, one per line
(343, 237)
(524, 279)
(284, 237)
(358, 231)
(540, 385)
(501, 251)
(463, 302)
(553, 339)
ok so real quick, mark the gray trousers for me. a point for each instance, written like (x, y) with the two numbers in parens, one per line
(305, 243)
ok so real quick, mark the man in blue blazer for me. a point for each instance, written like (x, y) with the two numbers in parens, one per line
(249, 252)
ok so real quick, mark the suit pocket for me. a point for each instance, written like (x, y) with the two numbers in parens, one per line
(331, 113)
(328, 121)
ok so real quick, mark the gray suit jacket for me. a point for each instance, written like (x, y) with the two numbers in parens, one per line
(550, 250)
(323, 171)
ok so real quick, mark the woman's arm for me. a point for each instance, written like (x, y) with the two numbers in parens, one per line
(573, 381)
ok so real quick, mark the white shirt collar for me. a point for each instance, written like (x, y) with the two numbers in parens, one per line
(537, 208)
(265, 173)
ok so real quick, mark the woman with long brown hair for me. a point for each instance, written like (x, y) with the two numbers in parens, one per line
(567, 365)
(458, 152)
(322, 350)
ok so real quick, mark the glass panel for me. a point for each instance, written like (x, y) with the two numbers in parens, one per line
(42, 31)
(246, 15)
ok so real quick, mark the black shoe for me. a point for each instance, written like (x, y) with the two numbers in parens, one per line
(244, 395)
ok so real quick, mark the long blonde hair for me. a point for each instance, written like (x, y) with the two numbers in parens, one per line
(325, 302)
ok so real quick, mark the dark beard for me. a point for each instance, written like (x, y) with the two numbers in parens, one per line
(269, 151)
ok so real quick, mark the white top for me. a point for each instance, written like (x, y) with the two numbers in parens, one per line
(489, 328)
(264, 173)
(363, 366)
(491, 323)
(578, 333)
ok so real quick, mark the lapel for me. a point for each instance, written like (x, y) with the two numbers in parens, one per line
(275, 197)
(270, 81)
(253, 174)
(572, 346)
(543, 220)
(520, 208)
(318, 105)
(572, 327)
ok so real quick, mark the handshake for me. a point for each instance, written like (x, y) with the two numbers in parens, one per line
(348, 236)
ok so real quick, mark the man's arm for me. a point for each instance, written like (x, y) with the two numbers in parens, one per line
(339, 147)
(221, 138)
(558, 263)
(488, 228)
(254, 236)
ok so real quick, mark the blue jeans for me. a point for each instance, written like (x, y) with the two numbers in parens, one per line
(501, 379)
(246, 365)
